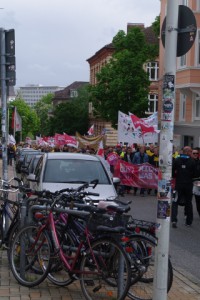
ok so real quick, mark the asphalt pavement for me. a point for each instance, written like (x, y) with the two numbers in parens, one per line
(186, 286)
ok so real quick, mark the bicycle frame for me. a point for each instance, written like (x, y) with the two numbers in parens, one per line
(51, 224)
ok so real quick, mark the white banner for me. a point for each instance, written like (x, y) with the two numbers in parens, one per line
(130, 135)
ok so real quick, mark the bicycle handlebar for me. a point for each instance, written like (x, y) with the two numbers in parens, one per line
(7, 187)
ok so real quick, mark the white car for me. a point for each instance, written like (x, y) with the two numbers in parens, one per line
(59, 170)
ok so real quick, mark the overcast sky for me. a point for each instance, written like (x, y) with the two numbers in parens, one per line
(55, 38)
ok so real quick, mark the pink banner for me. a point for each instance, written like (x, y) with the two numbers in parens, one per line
(142, 176)
(112, 158)
(62, 139)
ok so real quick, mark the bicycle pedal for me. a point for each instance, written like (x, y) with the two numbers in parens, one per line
(75, 277)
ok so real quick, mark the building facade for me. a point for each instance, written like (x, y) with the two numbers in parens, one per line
(31, 94)
(96, 62)
(187, 103)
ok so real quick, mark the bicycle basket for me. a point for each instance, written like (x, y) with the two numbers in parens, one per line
(107, 220)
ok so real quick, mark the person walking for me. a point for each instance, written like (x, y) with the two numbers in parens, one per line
(128, 157)
(140, 157)
(11, 154)
(196, 188)
(183, 170)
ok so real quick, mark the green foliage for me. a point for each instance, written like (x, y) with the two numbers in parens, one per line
(43, 108)
(30, 121)
(123, 84)
(156, 26)
(71, 116)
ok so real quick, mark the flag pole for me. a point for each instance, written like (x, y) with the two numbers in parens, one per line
(21, 131)
(14, 120)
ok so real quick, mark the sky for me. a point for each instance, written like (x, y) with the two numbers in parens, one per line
(54, 39)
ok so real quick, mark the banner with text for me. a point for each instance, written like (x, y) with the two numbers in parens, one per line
(142, 176)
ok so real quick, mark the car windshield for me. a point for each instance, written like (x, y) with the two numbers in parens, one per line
(74, 170)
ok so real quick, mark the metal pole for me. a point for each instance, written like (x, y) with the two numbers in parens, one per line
(4, 120)
(166, 150)
(21, 131)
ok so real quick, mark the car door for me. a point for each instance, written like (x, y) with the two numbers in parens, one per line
(36, 185)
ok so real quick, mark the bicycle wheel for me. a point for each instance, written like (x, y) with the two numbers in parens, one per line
(11, 235)
(58, 274)
(2, 226)
(105, 271)
(30, 256)
(143, 255)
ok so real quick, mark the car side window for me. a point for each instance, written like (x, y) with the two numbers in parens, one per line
(38, 168)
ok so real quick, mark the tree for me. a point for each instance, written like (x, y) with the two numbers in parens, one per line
(42, 109)
(123, 83)
(30, 121)
(71, 116)
(156, 26)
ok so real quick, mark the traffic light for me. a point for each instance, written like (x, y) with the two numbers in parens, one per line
(10, 57)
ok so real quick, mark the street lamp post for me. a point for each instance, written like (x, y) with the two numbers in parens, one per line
(21, 131)
(22, 118)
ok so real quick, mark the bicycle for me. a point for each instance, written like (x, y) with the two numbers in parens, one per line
(142, 260)
(101, 264)
(142, 257)
(8, 210)
(142, 241)
(143, 245)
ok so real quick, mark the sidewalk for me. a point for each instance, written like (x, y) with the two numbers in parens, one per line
(184, 287)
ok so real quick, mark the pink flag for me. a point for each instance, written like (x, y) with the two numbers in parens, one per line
(69, 140)
(16, 120)
(100, 150)
(91, 130)
(137, 122)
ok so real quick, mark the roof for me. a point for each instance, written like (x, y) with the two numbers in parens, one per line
(66, 92)
(150, 37)
(107, 47)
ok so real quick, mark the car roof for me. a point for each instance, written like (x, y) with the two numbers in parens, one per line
(67, 155)
(33, 153)
(28, 150)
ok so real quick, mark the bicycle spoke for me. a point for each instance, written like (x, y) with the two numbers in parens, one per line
(30, 256)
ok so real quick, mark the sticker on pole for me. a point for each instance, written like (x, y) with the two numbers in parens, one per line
(163, 209)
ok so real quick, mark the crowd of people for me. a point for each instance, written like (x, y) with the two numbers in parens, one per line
(185, 172)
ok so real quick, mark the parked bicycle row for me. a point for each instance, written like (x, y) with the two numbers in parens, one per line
(63, 236)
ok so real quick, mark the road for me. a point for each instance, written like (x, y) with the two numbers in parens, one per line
(184, 241)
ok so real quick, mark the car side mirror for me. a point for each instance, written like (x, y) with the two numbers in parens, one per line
(116, 180)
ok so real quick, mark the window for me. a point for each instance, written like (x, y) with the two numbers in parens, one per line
(152, 103)
(188, 140)
(75, 171)
(152, 70)
(73, 93)
(197, 107)
(198, 5)
(182, 107)
(182, 61)
(90, 108)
